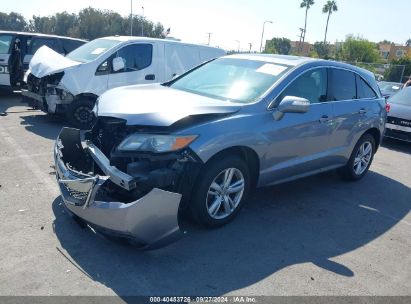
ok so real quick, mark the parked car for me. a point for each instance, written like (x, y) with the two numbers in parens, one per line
(389, 88)
(202, 141)
(398, 124)
(70, 85)
(17, 48)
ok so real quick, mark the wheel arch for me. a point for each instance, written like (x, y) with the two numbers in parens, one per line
(374, 132)
(247, 154)
(87, 96)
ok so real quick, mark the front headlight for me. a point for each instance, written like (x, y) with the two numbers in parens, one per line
(155, 143)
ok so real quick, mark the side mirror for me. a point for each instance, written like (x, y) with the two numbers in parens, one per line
(291, 104)
(118, 64)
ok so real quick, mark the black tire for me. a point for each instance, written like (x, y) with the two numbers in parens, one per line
(348, 172)
(79, 113)
(200, 197)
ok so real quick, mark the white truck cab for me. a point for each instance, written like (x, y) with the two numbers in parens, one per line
(72, 84)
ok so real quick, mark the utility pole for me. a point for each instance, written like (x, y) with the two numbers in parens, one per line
(262, 34)
(300, 48)
(238, 46)
(142, 23)
(209, 38)
(131, 18)
(250, 44)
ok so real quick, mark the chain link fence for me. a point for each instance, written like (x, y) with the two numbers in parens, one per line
(385, 71)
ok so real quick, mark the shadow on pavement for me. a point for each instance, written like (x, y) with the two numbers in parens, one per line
(397, 145)
(44, 125)
(310, 220)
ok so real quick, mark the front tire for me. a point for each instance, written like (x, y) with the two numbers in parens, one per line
(360, 160)
(221, 191)
(79, 113)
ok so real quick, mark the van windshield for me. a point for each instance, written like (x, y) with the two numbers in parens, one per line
(237, 80)
(5, 41)
(91, 50)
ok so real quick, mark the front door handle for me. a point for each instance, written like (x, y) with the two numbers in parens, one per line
(362, 111)
(150, 77)
(324, 118)
(2, 60)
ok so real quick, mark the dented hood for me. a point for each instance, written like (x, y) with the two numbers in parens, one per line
(46, 61)
(157, 105)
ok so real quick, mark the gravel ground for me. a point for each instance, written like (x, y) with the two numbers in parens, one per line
(316, 236)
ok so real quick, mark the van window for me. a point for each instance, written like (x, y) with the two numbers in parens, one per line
(70, 45)
(363, 89)
(5, 41)
(341, 85)
(38, 42)
(311, 85)
(136, 56)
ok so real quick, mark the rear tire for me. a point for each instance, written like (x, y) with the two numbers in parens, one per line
(79, 113)
(220, 191)
(360, 160)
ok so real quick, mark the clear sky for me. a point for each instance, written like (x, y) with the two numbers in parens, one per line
(231, 20)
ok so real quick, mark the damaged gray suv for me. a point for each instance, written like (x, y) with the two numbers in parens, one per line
(202, 141)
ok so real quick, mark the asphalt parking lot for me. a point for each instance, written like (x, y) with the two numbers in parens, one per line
(316, 236)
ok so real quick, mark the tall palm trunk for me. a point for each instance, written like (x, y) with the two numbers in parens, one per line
(326, 27)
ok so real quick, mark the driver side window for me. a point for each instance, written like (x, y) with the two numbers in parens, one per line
(311, 85)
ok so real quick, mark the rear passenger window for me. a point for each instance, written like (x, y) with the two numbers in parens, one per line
(311, 85)
(36, 43)
(341, 85)
(363, 89)
(136, 56)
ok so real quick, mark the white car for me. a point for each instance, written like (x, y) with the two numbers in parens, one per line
(72, 84)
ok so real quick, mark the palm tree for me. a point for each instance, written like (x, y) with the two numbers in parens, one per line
(307, 4)
(329, 8)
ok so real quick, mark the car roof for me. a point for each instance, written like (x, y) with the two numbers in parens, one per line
(137, 38)
(40, 35)
(274, 58)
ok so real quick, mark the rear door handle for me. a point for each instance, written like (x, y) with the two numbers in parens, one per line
(362, 111)
(324, 118)
(150, 77)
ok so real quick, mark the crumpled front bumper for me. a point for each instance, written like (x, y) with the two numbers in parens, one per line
(151, 221)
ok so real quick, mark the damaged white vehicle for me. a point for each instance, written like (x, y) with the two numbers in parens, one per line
(70, 85)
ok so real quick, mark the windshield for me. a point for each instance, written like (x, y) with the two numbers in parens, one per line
(231, 79)
(402, 97)
(390, 87)
(91, 50)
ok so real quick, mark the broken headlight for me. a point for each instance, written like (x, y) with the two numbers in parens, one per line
(155, 142)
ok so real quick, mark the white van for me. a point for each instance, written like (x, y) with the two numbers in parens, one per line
(71, 84)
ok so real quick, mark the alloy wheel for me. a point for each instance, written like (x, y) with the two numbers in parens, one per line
(363, 158)
(225, 193)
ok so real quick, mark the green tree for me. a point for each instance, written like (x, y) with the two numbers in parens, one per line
(356, 49)
(65, 24)
(12, 22)
(278, 46)
(329, 8)
(45, 25)
(322, 50)
(307, 5)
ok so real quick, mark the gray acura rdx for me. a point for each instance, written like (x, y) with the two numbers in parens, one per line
(203, 140)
